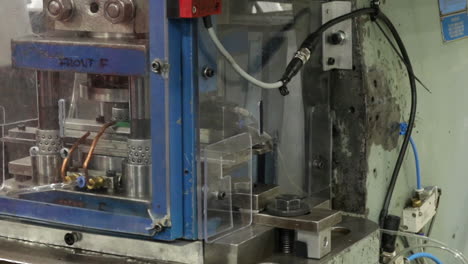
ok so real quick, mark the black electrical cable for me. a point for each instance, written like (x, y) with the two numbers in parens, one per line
(311, 42)
(388, 197)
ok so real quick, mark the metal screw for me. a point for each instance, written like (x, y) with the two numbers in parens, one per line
(337, 38)
(54, 8)
(113, 10)
(60, 9)
(194, 9)
(156, 66)
(158, 228)
(414, 215)
(420, 213)
(318, 164)
(208, 72)
(325, 242)
(331, 61)
(119, 11)
(221, 195)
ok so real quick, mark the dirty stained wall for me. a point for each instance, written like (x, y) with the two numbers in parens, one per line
(441, 130)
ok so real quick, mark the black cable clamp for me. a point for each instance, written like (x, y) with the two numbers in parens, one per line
(375, 4)
(284, 90)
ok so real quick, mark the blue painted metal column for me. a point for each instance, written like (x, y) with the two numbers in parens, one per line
(190, 73)
(174, 124)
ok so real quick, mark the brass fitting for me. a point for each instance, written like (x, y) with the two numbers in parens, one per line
(416, 203)
(71, 178)
(95, 183)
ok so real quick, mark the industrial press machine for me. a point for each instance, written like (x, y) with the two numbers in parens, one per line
(135, 138)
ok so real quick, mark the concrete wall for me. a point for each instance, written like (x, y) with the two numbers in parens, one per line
(441, 130)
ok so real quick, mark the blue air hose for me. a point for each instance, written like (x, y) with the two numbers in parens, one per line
(424, 255)
(403, 129)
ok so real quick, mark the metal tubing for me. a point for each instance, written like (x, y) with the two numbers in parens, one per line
(93, 147)
(139, 108)
(63, 171)
(48, 96)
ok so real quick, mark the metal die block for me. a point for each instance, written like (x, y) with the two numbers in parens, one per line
(338, 40)
(314, 245)
(261, 196)
(114, 16)
(317, 220)
(249, 245)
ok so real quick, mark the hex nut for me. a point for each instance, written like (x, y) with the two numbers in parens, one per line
(60, 10)
(288, 202)
(119, 11)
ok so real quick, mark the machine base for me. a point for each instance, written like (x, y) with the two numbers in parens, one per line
(49, 247)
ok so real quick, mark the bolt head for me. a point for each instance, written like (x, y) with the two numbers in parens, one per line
(288, 202)
(208, 72)
(54, 8)
(119, 11)
(113, 10)
(194, 9)
(337, 38)
(158, 228)
(60, 10)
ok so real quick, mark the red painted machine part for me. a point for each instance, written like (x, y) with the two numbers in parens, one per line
(198, 8)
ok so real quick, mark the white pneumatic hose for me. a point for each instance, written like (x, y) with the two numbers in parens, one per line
(236, 66)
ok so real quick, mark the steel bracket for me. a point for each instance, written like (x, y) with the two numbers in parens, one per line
(338, 40)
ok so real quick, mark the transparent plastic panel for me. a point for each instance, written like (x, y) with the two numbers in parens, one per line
(288, 132)
(228, 186)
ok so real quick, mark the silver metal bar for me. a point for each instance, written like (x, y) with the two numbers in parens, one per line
(139, 108)
(62, 116)
(48, 96)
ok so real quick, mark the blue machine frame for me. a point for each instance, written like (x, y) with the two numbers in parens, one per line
(174, 131)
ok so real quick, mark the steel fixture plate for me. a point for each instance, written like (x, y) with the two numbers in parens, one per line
(337, 56)
(316, 221)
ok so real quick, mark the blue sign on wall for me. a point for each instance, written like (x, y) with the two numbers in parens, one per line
(455, 27)
(451, 6)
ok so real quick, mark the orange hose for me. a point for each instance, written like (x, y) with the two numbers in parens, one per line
(80, 141)
(93, 147)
